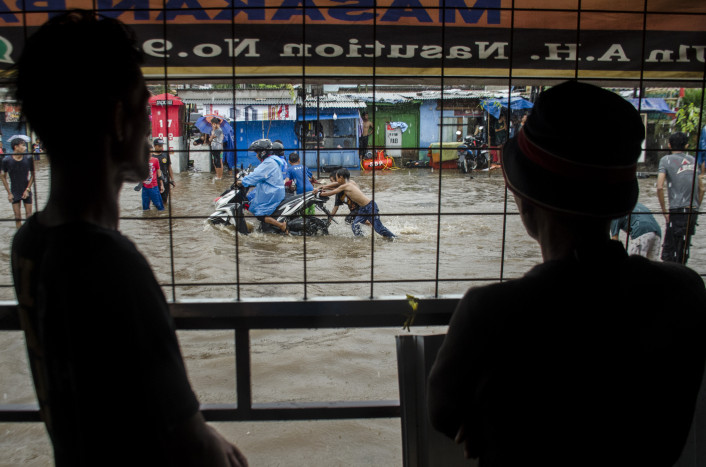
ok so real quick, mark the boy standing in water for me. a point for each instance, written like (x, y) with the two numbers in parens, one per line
(153, 186)
(20, 166)
(368, 208)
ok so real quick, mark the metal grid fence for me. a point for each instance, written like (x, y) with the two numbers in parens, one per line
(517, 25)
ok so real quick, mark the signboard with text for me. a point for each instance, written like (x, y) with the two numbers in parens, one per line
(345, 39)
(393, 141)
(167, 112)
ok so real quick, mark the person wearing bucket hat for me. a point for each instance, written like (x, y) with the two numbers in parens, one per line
(575, 363)
(556, 163)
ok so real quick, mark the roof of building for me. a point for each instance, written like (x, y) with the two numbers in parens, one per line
(330, 100)
(239, 96)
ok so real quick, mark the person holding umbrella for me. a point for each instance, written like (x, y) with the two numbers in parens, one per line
(205, 125)
(20, 166)
(216, 139)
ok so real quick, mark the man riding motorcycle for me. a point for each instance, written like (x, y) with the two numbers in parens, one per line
(268, 191)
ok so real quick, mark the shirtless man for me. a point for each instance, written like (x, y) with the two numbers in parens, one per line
(368, 208)
(367, 131)
(340, 200)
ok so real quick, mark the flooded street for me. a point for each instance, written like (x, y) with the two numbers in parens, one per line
(206, 257)
(466, 225)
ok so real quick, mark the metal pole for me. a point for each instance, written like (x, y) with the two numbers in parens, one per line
(316, 133)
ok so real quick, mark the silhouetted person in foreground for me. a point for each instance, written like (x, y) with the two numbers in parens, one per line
(593, 358)
(107, 369)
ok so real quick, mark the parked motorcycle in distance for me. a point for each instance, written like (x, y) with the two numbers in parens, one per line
(473, 154)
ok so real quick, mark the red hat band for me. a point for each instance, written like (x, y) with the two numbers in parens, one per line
(571, 169)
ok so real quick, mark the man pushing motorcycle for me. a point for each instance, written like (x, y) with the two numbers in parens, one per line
(268, 184)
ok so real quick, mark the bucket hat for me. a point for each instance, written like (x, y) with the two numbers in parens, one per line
(577, 153)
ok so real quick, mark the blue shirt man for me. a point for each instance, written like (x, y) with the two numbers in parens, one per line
(269, 186)
(299, 174)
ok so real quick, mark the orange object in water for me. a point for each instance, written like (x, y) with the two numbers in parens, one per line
(381, 161)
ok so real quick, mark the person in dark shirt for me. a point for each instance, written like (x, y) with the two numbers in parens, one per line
(685, 192)
(583, 361)
(108, 373)
(20, 167)
(165, 165)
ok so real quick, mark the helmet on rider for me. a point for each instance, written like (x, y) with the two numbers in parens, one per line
(262, 148)
(277, 148)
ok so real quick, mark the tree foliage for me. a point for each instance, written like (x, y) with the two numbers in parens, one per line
(691, 116)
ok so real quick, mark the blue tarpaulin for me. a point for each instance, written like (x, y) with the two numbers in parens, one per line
(651, 104)
(493, 106)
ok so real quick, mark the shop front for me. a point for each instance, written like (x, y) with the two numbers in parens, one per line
(329, 137)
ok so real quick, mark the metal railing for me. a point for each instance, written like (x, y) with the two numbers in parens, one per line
(246, 315)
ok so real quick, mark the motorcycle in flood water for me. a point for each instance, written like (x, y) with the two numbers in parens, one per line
(473, 154)
(232, 202)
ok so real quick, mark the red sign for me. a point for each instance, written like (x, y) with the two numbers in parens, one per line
(165, 122)
(165, 116)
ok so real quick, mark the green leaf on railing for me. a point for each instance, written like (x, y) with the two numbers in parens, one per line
(414, 304)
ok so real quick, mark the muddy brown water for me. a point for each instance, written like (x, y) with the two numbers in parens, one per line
(466, 225)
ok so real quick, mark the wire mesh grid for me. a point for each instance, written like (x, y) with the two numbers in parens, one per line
(443, 59)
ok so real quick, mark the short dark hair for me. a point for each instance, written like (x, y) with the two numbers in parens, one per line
(16, 142)
(294, 157)
(678, 141)
(76, 43)
(343, 173)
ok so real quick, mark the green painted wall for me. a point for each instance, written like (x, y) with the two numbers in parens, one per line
(407, 113)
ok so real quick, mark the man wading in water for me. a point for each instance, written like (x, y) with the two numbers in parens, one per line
(368, 210)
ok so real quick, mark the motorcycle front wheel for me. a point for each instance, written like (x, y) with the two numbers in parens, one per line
(313, 226)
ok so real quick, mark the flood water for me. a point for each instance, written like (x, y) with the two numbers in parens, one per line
(465, 224)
